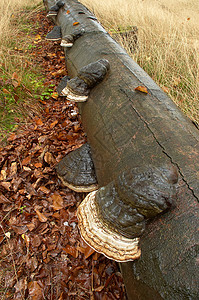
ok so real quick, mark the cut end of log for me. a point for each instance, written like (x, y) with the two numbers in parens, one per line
(97, 234)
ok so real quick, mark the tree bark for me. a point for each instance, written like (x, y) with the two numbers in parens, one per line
(126, 129)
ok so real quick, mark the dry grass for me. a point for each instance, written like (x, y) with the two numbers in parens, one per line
(9, 29)
(168, 34)
(15, 43)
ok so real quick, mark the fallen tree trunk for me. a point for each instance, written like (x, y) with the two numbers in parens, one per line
(127, 128)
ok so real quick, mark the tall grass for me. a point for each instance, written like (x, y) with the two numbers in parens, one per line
(15, 43)
(168, 35)
(9, 29)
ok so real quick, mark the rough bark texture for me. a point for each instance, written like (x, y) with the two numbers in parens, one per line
(127, 128)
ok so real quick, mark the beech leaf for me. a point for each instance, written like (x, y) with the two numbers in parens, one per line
(142, 89)
(58, 202)
(71, 250)
(42, 217)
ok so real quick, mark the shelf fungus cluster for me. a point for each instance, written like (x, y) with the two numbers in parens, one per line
(112, 218)
(78, 88)
(55, 8)
(68, 40)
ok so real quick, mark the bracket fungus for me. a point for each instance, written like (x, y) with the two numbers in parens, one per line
(68, 40)
(112, 219)
(78, 88)
(55, 8)
(55, 34)
(62, 84)
(76, 170)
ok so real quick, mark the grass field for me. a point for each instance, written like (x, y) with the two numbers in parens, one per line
(16, 71)
(168, 35)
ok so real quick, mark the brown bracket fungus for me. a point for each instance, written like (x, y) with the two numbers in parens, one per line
(78, 88)
(76, 170)
(55, 8)
(112, 219)
(62, 84)
(101, 237)
(55, 34)
(69, 39)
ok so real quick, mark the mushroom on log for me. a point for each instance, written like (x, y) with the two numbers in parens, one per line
(129, 130)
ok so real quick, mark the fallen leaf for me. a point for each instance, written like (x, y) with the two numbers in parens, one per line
(88, 252)
(6, 185)
(75, 23)
(38, 165)
(26, 160)
(142, 89)
(27, 169)
(99, 288)
(71, 250)
(3, 175)
(54, 95)
(59, 72)
(58, 202)
(48, 157)
(12, 137)
(3, 199)
(52, 125)
(39, 122)
(8, 234)
(13, 169)
(31, 226)
(38, 37)
(20, 229)
(35, 290)
(42, 217)
(44, 190)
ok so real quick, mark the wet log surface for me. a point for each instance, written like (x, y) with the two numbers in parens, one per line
(127, 129)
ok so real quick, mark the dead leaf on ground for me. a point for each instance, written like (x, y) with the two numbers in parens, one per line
(6, 185)
(13, 169)
(39, 122)
(58, 202)
(52, 125)
(35, 290)
(44, 190)
(71, 250)
(42, 217)
(26, 161)
(48, 157)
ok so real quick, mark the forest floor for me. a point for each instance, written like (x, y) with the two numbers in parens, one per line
(42, 255)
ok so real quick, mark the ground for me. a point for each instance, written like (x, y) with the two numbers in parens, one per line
(42, 253)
